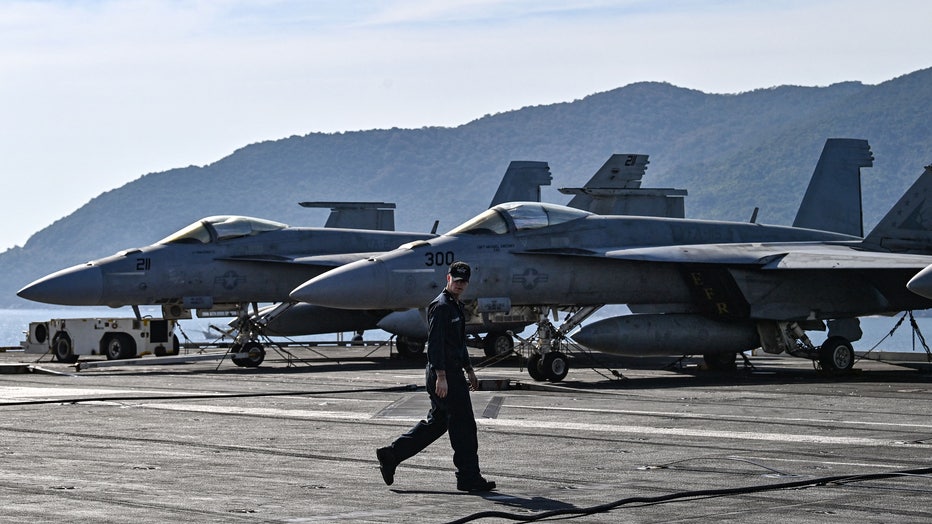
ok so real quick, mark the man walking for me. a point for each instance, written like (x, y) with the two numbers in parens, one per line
(450, 406)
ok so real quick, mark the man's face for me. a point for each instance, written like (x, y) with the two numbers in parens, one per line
(456, 286)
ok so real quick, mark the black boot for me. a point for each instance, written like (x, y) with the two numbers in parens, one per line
(387, 464)
(475, 484)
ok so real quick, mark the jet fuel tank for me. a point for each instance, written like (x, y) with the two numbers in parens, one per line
(291, 320)
(667, 334)
(411, 323)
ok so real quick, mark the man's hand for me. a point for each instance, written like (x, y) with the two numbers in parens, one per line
(473, 381)
(441, 388)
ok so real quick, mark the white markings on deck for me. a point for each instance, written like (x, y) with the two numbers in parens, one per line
(262, 412)
(733, 418)
(568, 426)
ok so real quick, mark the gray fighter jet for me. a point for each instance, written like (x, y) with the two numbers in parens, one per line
(523, 179)
(615, 186)
(219, 264)
(213, 262)
(722, 287)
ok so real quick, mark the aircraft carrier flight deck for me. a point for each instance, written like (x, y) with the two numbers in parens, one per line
(294, 441)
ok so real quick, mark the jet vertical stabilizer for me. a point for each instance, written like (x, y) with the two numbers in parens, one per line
(522, 182)
(833, 198)
(615, 189)
(907, 227)
(377, 216)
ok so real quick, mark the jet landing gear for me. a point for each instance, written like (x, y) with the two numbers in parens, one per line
(248, 355)
(246, 350)
(497, 343)
(548, 361)
(552, 366)
(835, 355)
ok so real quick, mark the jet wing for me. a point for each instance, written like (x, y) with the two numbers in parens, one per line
(816, 255)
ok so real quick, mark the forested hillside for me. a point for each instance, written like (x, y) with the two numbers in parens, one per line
(732, 152)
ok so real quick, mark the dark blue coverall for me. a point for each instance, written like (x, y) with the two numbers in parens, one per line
(446, 350)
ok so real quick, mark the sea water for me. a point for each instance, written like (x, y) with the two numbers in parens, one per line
(15, 322)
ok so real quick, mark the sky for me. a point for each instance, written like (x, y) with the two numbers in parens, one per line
(96, 93)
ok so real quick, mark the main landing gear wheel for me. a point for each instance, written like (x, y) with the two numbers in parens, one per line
(63, 349)
(836, 354)
(255, 354)
(497, 343)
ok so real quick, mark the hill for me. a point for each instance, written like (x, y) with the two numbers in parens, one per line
(732, 152)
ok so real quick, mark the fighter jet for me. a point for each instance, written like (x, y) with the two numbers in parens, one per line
(219, 264)
(615, 186)
(722, 287)
(522, 179)
(215, 261)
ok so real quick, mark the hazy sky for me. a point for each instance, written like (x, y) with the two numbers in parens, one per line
(98, 93)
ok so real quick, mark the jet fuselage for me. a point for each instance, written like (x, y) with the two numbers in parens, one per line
(525, 258)
(206, 269)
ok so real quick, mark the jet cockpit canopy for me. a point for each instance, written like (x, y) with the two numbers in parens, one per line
(221, 227)
(517, 216)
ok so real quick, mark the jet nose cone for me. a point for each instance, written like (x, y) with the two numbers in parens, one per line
(74, 286)
(359, 285)
(921, 284)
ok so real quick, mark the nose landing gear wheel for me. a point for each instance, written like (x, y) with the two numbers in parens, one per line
(533, 367)
(255, 354)
(551, 366)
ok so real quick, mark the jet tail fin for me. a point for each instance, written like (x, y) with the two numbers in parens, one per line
(615, 189)
(522, 182)
(833, 198)
(379, 216)
(907, 227)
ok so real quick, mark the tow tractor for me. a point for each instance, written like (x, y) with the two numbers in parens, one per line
(117, 338)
